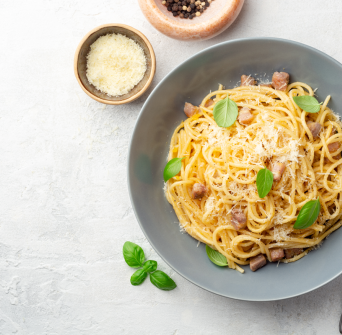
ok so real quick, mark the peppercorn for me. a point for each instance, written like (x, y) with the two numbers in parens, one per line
(186, 8)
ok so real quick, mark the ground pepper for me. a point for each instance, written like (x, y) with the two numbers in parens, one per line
(186, 9)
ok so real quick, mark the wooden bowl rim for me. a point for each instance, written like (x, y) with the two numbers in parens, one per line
(153, 64)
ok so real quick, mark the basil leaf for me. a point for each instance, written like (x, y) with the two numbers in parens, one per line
(225, 112)
(138, 277)
(216, 257)
(307, 103)
(264, 182)
(150, 266)
(172, 168)
(161, 280)
(133, 254)
(308, 214)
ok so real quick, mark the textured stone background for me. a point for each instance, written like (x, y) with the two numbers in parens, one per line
(65, 210)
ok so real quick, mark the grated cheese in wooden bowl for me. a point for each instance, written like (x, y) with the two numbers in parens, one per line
(115, 64)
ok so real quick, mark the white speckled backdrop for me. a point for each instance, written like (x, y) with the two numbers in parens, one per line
(64, 206)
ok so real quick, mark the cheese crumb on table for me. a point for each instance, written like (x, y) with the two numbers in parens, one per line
(115, 64)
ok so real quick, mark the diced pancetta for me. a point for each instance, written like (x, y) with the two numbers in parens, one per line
(333, 146)
(257, 262)
(190, 110)
(209, 103)
(289, 253)
(198, 191)
(239, 219)
(247, 80)
(277, 254)
(315, 128)
(280, 80)
(245, 116)
(278, 170)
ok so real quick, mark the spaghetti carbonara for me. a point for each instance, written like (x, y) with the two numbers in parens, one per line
(215, 195)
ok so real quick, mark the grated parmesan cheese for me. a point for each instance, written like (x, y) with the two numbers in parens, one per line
(115, 64)
(269, 142)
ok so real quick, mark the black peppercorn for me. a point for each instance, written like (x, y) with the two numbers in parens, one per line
(194, 8)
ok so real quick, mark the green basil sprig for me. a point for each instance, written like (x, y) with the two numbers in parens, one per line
(172, 168)
(216, 257)
(307, 103)
(150, 266)
(138, 277)
(264, 182)
(161, 280)
(308, 214)
(135, 257)
(225, 112)
(133, 254)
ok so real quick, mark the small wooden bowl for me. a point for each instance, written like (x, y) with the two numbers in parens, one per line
(80, 63)
(213, 21)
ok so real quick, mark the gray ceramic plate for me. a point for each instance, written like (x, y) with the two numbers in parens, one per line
(163, 111)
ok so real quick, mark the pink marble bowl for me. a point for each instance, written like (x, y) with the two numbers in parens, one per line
(213, 21)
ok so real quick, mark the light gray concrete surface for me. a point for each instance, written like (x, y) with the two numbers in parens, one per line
(64, 206)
